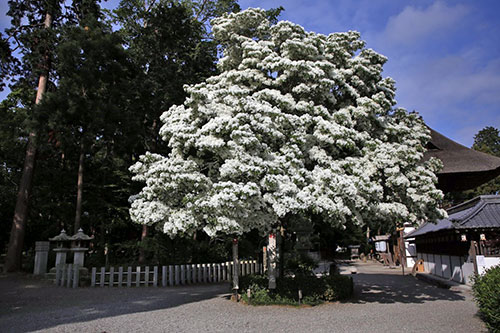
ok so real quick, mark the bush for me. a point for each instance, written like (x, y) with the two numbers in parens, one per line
(315, 290)
(338, 287)
(486, 290)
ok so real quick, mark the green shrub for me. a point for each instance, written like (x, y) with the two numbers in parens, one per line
(315, 290)
(486, 290)
(338, 287)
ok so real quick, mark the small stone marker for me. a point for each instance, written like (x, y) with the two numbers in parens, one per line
(41, 257)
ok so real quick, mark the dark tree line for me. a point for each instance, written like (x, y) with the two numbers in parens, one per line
(87, 88)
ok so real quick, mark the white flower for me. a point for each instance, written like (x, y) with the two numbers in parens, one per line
(295, 122)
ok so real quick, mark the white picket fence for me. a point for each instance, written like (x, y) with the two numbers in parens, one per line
(172, 275)
(67, 275)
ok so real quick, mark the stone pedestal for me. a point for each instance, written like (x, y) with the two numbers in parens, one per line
(61, 254)
(41, 257)
(79, 255)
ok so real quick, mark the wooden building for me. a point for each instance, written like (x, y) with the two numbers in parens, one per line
(466, 242)
(463, 168)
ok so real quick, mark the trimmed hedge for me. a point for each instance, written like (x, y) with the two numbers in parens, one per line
(315, 290)
(486, 290)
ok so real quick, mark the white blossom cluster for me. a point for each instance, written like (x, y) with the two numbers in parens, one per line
(296, 122)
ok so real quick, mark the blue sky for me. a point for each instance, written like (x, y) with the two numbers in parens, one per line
(444, 55)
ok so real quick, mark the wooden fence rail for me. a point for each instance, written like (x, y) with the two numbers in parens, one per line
(172, 275)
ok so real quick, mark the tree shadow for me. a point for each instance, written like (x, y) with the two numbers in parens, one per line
(29, 304)
(392, 288)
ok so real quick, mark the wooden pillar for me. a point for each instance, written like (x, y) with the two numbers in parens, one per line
(236, 267)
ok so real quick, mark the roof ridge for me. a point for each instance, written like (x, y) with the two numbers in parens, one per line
(478, 208)
(463, 206)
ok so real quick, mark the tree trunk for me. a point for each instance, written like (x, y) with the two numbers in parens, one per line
(79, 192)
(142, 254)
(16, 240)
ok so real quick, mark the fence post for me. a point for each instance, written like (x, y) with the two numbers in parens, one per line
(94, 273)
(70, 275)
(204, 269)
(177, 275)
(219, 271)
(111, 277)
(146, 276)
(199, 267)
(138, 276)
(209, 269)
(103, 276)
(170, 275)
(188, 274)
(163, 276)
(120, 276)
(224, 271)
(155, 276)
(129, 276)
(193, 273)
(183, 274)
(76, 276)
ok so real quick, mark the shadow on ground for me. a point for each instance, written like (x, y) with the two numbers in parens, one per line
(393, 288)
(28, 304)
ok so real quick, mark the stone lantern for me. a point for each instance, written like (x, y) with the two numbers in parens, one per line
(62, 242)
(80, 244)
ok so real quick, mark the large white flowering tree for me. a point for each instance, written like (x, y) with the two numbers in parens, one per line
(296, 123)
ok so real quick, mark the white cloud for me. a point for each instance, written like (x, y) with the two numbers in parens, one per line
(459, 93)
(413, 25)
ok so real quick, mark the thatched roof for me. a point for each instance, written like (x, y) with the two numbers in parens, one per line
(464, 168)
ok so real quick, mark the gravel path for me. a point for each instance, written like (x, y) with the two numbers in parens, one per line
(384, 301)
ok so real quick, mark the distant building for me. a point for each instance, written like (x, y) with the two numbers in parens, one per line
(463, 168)
(466, 242)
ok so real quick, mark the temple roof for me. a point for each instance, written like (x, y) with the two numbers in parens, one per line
(478, 213)
(463, 168)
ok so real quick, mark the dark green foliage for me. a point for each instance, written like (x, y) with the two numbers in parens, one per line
(487, 140)
(486, 290)
(297, 263)
(315, 290)
(106, 91)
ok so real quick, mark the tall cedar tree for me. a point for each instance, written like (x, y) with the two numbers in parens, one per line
(32, 23)
(170, 47)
